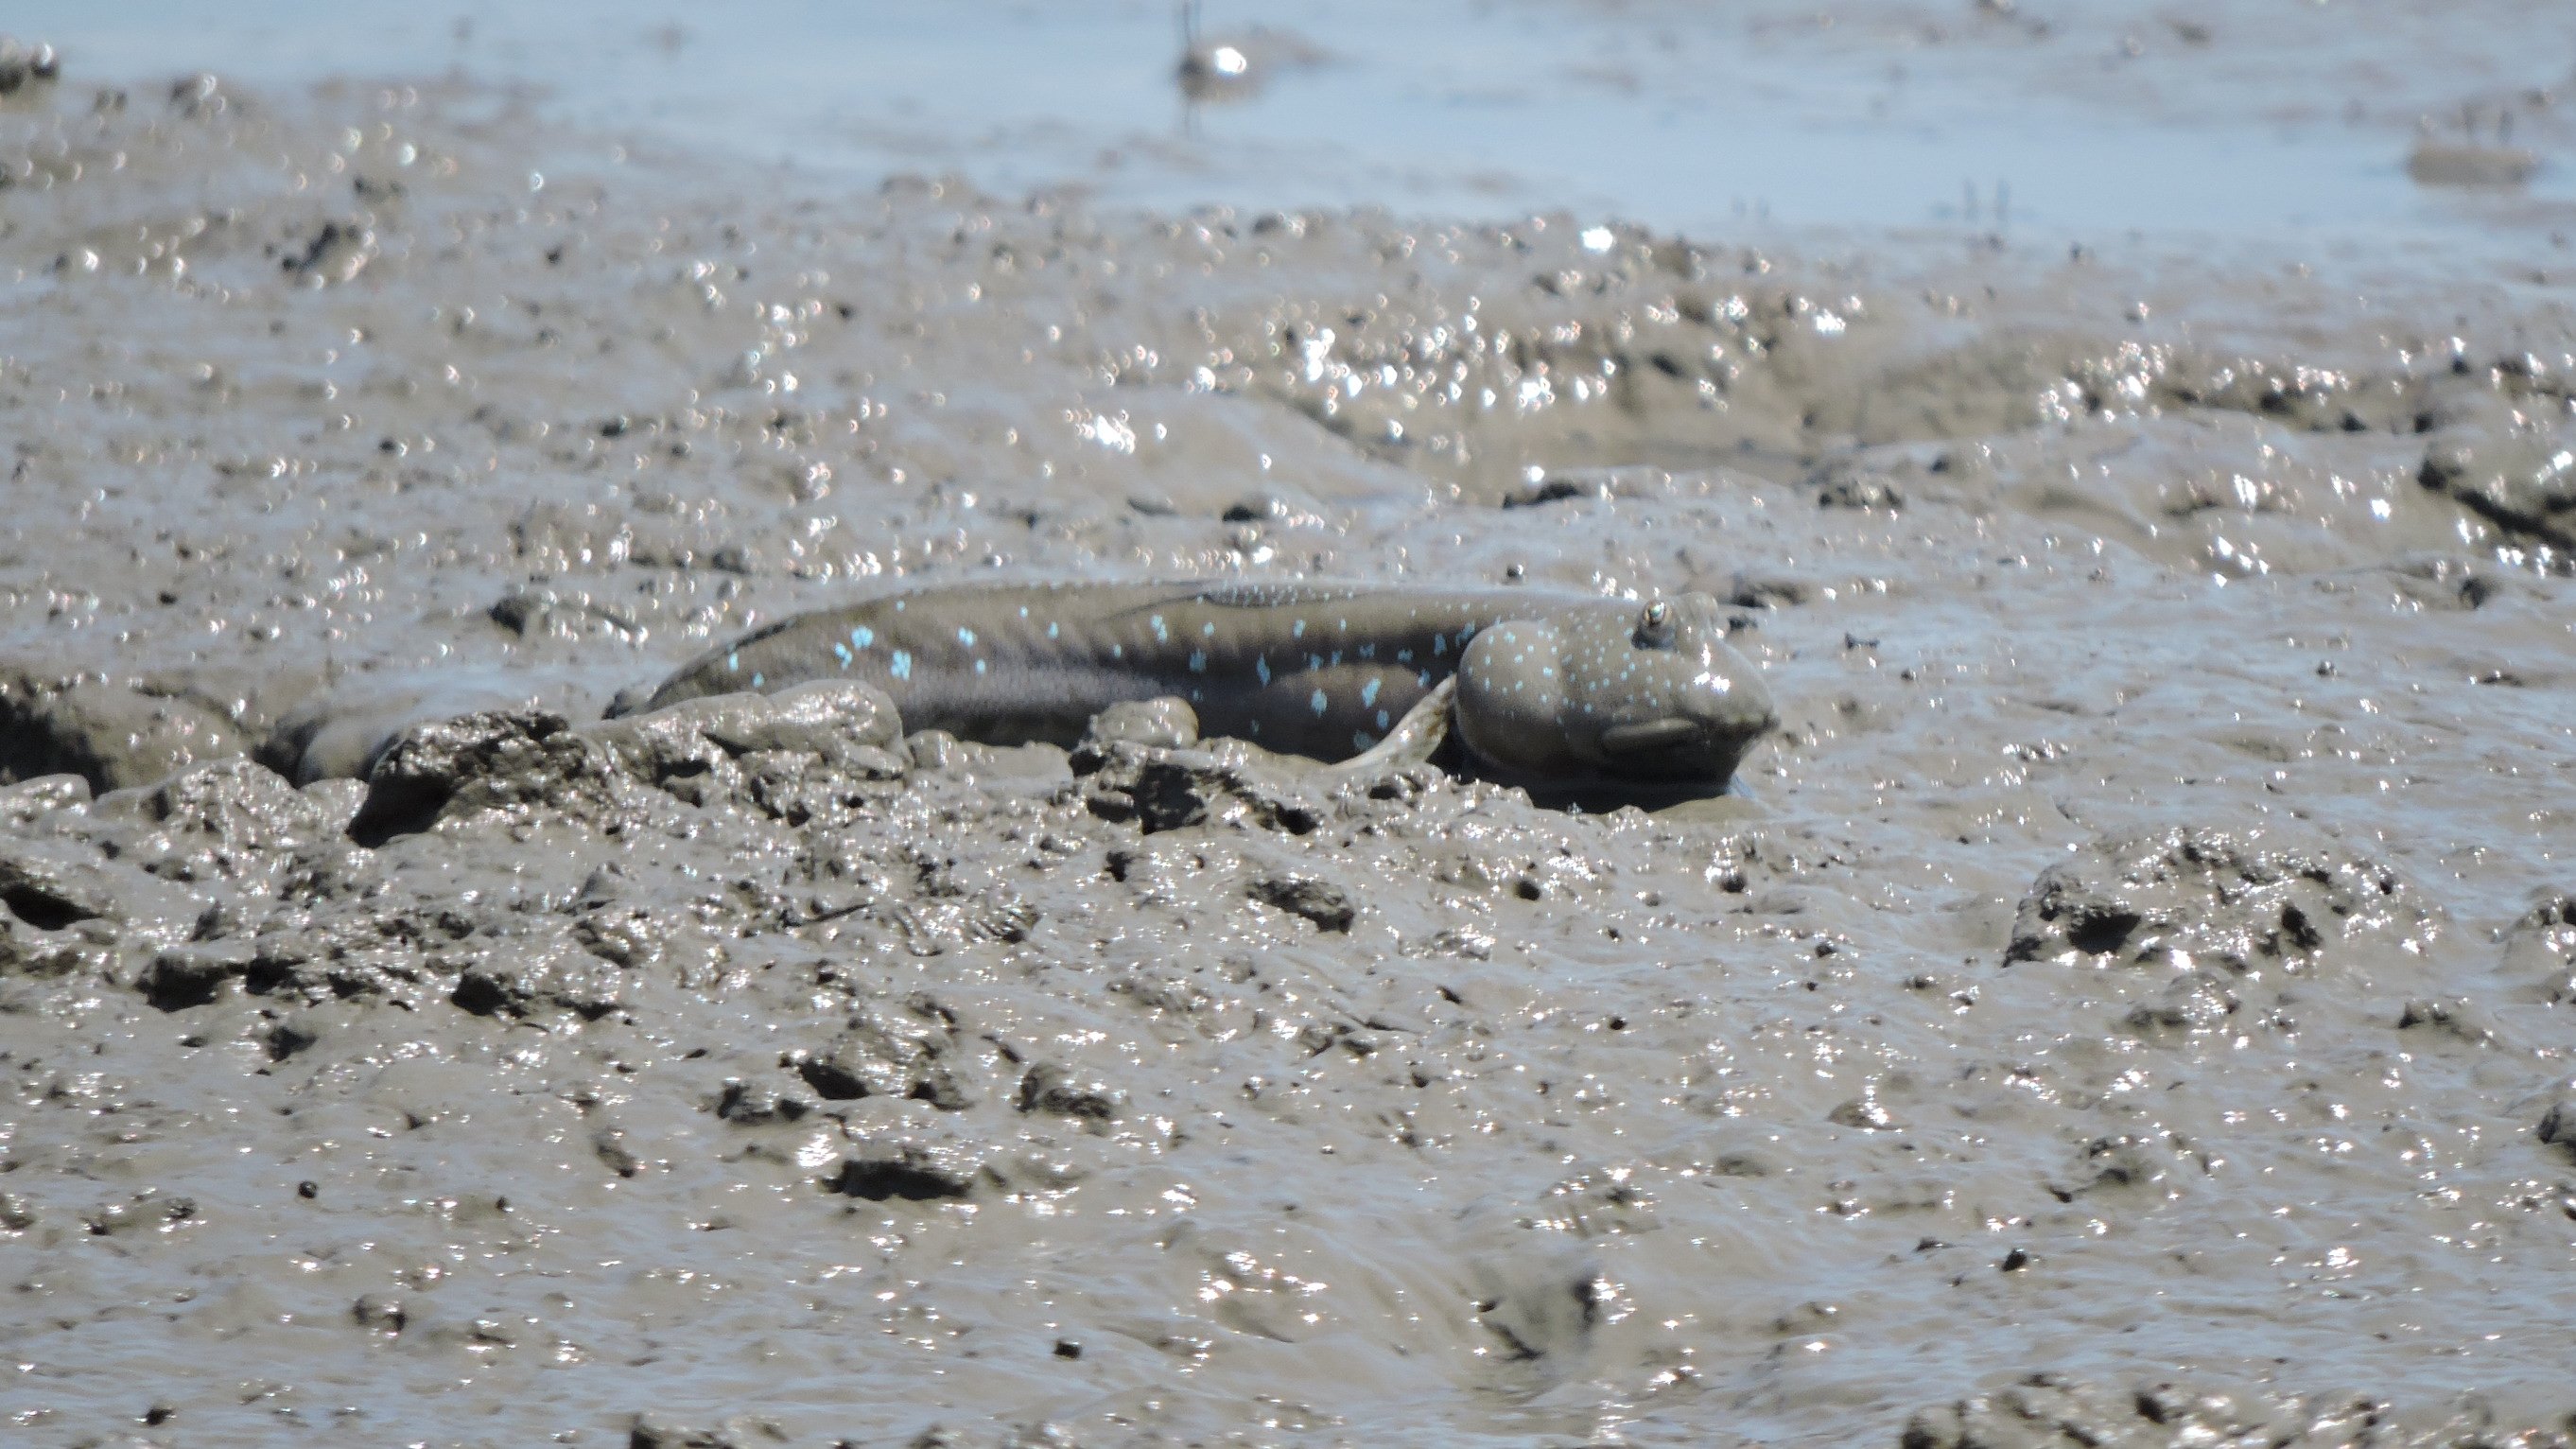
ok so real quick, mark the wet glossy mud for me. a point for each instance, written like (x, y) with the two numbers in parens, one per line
(2131, 1006)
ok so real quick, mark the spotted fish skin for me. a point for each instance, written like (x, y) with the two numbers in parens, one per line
(1313, 669)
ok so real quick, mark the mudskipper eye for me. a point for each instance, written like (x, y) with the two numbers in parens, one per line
(1655, 626)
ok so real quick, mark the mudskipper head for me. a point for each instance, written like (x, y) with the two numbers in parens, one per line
(1653, 696)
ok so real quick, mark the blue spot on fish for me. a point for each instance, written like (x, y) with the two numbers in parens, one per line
(1298, 630)
(1362, 739)
(757, 681)
(902, 665)
(979, 666)
(1198, 661)
(1381, 719)
(1208, 629)
(844, 651)
(733, 662)
(1161, 634)
(1053, 629)
(1368, 694)
(862, 637)
(1319, 704)
(966, 637)
(1262, 668)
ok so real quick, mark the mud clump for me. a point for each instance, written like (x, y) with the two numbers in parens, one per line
(2540, 948)
(2053, 1409)
(522, 985)
(2185, 894)
(1846, 486)
(899, 1056)
(527, 766)
(46, 901)
(1320, 901)
(485, 765)
(1165, 788)
(112, 737)
(2527, 485)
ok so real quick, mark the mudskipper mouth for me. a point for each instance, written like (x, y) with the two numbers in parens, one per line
(1651, 737)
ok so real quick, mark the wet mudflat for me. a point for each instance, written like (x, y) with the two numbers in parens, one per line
(2128, 1004)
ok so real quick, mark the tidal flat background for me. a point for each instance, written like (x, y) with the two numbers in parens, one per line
(2127, 1003)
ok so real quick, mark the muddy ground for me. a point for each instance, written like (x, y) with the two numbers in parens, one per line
(2129, 1003)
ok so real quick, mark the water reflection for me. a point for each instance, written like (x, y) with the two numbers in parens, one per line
(2076, 125)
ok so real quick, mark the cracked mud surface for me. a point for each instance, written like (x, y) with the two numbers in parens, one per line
(2130, 1004)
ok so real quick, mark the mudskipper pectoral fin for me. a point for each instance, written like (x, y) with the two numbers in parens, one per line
(1660, 734)
(1413, 741)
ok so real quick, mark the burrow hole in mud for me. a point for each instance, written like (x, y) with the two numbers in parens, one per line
(2300, 933)
(2108, 931)
(42, 909)
(480, 995)
(878, 1181)
(831, 1082)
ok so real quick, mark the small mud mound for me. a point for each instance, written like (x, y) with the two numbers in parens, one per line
(111, 736)
(2187, 895)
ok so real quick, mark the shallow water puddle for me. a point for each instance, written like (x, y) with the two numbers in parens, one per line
(2286, 124)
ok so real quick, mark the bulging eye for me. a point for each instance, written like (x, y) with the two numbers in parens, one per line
(1655, 626)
